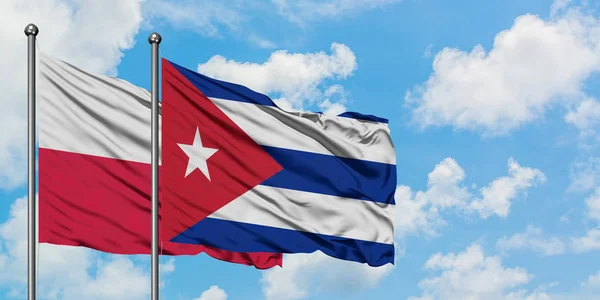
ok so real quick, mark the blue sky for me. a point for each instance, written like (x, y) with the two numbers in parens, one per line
(493, 109)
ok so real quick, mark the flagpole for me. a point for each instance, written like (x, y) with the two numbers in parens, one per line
(154, 39)
(31, 32)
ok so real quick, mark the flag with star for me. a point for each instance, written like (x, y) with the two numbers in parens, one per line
(241, 174)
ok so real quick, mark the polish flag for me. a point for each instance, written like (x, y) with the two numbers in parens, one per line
(94, 167)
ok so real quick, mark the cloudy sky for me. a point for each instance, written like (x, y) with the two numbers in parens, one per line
(494, 111)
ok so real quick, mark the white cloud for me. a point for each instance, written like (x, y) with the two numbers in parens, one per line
(590, 242)
(415, 214)
(472, 275)
(496, 197)
(593, 282)
(443, 185)
(524, 295)
(117, 279)
(214, 18)
(69, 272)
(420, 211)
(593, 205)
(295, 88)
(209, 17)
(585, 174)
(533, 65)
(532, 239)
(586, 116)
(77, 31)
(334, 103)
(302, 11)
(204, 16)
(559, 6)
(428, 50)
(261, 42)
(167, 267)
(213, 293)
(306, 274)
(330, 108)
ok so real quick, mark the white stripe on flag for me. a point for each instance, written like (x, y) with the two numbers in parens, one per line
(92, 114)
(310, 132)
(315, 213)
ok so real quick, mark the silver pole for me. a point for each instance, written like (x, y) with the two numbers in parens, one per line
(154, 39)
(31, 32)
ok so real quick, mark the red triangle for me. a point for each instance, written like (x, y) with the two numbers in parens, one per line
(238, 166)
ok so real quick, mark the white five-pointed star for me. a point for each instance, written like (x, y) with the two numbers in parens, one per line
(197, 155)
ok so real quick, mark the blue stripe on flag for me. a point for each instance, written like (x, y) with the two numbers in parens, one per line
(244, 237)
(214, 88)
(332, 175)
(359, 116)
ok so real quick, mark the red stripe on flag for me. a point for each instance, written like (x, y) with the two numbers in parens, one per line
(104, 204)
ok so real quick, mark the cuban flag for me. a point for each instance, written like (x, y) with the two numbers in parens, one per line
(241, 174)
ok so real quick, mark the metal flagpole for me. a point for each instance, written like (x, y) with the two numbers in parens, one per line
(31, 32)
(154, 39)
